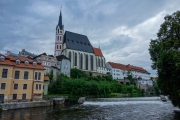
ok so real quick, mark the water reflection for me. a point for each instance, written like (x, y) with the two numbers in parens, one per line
(136, 110)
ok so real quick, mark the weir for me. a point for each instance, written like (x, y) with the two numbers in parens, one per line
(123, 99)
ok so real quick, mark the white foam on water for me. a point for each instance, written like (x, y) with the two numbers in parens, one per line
(121, 103)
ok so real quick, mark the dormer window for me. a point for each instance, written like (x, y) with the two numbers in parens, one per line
(26, 62)
(18, 61)
(2, 58)
(34, 63)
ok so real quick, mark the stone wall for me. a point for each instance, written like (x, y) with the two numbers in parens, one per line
(17, 105)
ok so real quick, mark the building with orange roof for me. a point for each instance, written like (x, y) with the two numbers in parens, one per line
(121, 71)
(20, 79)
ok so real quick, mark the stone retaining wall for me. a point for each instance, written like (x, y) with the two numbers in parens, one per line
(17, 105)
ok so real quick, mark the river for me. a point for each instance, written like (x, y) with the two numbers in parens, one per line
(97, 110)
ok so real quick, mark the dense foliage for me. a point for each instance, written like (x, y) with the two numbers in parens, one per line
(165, 55)
(88, 85)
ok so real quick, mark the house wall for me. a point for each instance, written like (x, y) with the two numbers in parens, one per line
(10, 81)
(65, 67)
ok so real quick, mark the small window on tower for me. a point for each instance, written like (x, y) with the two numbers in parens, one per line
(57, 46)
(58, 38)
(58, 30)
(60, 47)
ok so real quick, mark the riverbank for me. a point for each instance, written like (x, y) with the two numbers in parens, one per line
(18, 105)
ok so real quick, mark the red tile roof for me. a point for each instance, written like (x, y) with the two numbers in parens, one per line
(97, 52)
(46, 78)
(118, 65)
(128, 67)
(10, 60)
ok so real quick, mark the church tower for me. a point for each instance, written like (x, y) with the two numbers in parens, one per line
(59, 37)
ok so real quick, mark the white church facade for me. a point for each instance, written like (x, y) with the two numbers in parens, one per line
(78, 49)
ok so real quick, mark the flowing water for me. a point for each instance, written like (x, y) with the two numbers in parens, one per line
(99, 109)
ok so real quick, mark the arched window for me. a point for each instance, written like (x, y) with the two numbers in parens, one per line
(57, 46)
(80, 61)
(58, 30)
(86, 62)
(91, 62)
(58, 38)
(75, 59)
(99, 62)
(70, 56)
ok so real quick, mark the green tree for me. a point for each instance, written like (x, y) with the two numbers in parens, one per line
(165, 56)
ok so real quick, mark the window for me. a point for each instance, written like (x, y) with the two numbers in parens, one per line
(18, 61)
(24, 86)
(3, 86)
(58, 30)
(38, 86)
(34, 63)
(102, 63)
(15, 86)
(14, 96)
(75, 64)
(4, 73)
(81, 61)
(26, 62)
(60, 38)
(2, 58)
(92, 62)
(70, 55)
(16, 76)
(23, 96)
(26, 75)
(57, 46)
(37, 75)
(86, 62)
(99, 63)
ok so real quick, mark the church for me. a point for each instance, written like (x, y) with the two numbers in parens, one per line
(79, 50)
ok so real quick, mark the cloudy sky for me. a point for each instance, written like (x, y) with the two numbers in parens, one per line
(122, 28)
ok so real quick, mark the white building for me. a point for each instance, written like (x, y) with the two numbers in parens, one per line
(47, 61)
(64, 65)
(120, 71)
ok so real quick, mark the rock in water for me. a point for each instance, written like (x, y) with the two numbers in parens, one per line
(81, 100)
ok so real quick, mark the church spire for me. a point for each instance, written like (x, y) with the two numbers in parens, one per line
(60, 21)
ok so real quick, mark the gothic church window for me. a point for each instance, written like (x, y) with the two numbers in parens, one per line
(75, 59)
(91, 62)
(86, 62)
(70, 56)
(99, 63)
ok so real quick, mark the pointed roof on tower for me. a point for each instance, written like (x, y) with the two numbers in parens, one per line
(61, 26)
